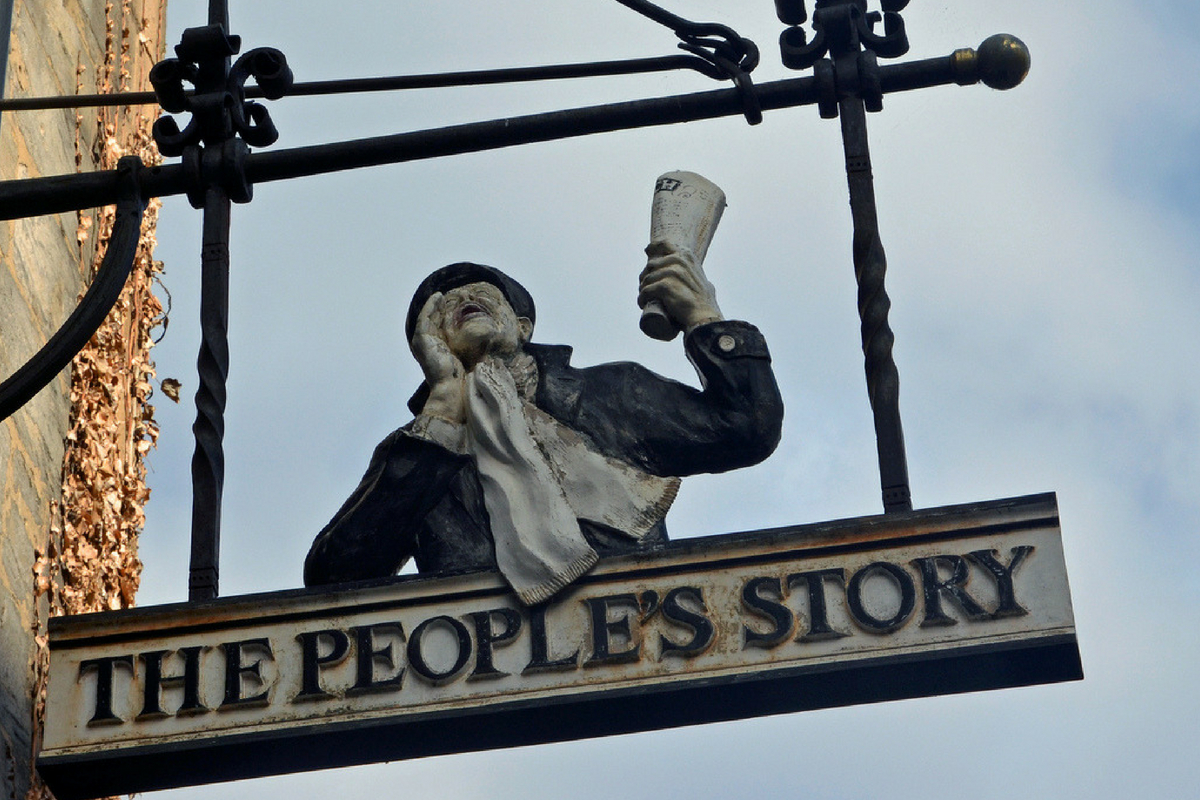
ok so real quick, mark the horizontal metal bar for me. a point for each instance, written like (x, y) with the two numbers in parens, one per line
(36, 196)
(79, 101)
(33, 197)
(636, 66)
(495, 134)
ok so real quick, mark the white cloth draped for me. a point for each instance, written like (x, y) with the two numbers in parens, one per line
(540, 478)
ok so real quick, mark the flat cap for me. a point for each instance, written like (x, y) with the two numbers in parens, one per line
(460, 274)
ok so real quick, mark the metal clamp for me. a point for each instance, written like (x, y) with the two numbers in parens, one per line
(734, 56)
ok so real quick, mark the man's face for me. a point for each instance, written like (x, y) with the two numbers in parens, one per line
(476, 320)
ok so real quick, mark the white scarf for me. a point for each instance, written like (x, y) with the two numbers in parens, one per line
(540, 478)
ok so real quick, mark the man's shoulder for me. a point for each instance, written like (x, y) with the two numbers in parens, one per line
(550, 356)
(564, 389)
(554, 363)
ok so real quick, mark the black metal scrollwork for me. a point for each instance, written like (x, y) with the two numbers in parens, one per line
(222, 120)
(840, 26)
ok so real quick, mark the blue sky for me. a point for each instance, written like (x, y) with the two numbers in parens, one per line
(1045, 280)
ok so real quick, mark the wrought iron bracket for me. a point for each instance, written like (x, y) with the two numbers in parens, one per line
(216, 167)
(1000, 62)
(99, 299)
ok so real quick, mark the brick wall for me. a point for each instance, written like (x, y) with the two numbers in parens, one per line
(58, 48)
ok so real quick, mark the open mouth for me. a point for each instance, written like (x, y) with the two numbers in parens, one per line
(469, 311)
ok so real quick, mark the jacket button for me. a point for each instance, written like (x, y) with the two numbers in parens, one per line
(726, 343)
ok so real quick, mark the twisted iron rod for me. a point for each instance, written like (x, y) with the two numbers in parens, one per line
(870, 268)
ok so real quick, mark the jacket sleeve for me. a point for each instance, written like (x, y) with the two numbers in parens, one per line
(375, 531)
(669, 428)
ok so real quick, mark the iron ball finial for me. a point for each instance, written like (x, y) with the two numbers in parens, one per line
(1003, 61)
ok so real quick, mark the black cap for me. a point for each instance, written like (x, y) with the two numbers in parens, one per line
(460, 274)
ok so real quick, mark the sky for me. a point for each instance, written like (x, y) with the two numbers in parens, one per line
(1043, 270)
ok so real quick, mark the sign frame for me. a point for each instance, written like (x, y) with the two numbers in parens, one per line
(1040, 655)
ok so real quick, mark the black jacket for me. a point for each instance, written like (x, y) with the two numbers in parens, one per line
(419, 500)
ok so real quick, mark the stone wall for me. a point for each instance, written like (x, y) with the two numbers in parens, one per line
(60, 48)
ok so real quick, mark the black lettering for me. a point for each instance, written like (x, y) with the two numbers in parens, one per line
(104, 686)
(819, 628)
(311, 660)
(416, 658)
(367, 656)
(540, 643)
(235, 670)
(603, 630)
(766, 608)
(933, 587)
(486, 639)
(908, 597)
(701, 626)
(156, 681)
(1008, 605)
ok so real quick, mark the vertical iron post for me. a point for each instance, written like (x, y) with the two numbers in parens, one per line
(214, 146)
(844, 54)
(218, 13)
(208, 460)
(870, 267)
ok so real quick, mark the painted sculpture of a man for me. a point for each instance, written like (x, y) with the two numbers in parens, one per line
(518, 461)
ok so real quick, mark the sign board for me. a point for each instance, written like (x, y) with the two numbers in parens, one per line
(938, 601)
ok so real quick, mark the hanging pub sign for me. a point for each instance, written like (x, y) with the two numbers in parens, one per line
(714, 628)
(532, 493)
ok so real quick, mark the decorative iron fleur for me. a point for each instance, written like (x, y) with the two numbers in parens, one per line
(840, 27)
(221, 117)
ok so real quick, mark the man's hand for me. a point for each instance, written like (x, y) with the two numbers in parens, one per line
(673, 278)
(443, 371)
